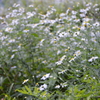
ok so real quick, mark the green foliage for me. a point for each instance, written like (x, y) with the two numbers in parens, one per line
(53, 55)
(36, 94)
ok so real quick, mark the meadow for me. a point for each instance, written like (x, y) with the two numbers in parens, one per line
(50, 52)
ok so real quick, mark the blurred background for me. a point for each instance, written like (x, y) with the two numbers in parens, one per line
(42, 4)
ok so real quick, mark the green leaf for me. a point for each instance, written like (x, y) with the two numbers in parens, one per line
(11, 87)
(34, 34)
(36, 91)
(1, 88)
(25, 90)
(28, 90)
(22, 91)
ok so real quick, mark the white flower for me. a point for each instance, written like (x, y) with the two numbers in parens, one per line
(61, 60)
(21, 10)
(31, 5)
(86, 19)
(1, 17)
(58, 63)
(14, 50)
(92, 59)
(44, 62)
(16, 5)
(74, 12)
(12, 56)
(83, 39)
(55, 39)
(9, 29)
(95, 5)
(67, 11)
(1, 33)
(85, 23)
(72, 59)
(15, 11)
(64, 34)
(89, 4)
(88, 8)
(30, 14)
(57, 86)
(15, 22)
(58, 52)
(43, 87)
(82, 15)
(3, 38)
(41, 42)
(12, 40)
(26, 30)
(98, 33)
(97, 9)
(77, 70)
(25, 81)
(63, 57)
(63, 71)
(76, 34)
(64, 84)
(93, 40)
(62, 14)
(73, 16)
(13, 67)
(83, 11)
(76, 20)
(94, 78)
(96, 24)
(45, 76)
(77, 53)
(82, 28)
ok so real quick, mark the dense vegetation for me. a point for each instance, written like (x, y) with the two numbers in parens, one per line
(51, 53)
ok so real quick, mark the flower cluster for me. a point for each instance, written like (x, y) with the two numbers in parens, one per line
(55, 50)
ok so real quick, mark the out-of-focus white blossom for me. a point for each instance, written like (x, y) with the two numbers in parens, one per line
(74, 12)
(15, 22)
(25, 81)
(64, 34)
(9, 29)
(92, 59)
(77, 53)
(16, 5)
(61, 60)
(57, 86)
(45, 76)
(31, 5)
(12, 56)
(96, 24)
(30, 14)
(43, 87)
